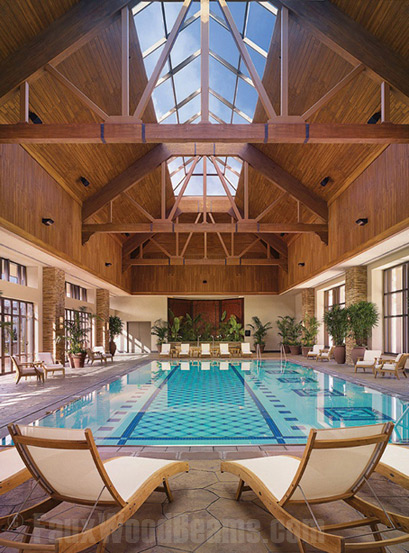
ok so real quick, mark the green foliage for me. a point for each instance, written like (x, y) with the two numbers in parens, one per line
(160, 329)
(75, 334)
(363, 316)
(259, 330)
(283, 324)
(235, 330)
(115, 326)
(191, 328)
(310, 326)
(336, 320)
(294, 331)
(174, 327)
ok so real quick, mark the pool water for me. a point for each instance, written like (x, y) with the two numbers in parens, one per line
(216, 402)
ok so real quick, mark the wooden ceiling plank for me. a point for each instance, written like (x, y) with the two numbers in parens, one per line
(219, 236)
(227, 134)
(147, 93)
(188, 239)
(139, 207)
(72, 88)
(226, 189)
(160, 247)
(286, 182)
(180, 260)
(249, 247)
(123, 182)
(134, 242)
(270, 207)
(262, 93)
(352, 41)
(334, 90)
(59, 40)
(275, 242)
(182, 190)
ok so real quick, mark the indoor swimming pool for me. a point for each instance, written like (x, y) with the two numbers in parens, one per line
(225, 402)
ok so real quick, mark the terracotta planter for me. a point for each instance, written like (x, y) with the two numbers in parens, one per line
(112, 348)
(77, 360)
(305, 350)
(339, 354)
(358, 351)
(295, 350)
(261, 346)
(286, 348)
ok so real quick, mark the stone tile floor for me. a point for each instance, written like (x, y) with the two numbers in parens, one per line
(205, 518)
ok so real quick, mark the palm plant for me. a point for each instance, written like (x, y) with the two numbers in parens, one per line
(310, 326)
(76, 334)
(175, 327)
(259, 330)
(236, 330)
(294, 331)
(160, 329)
(191, 328)
(283, 323)
(336, 320)
(363, 316)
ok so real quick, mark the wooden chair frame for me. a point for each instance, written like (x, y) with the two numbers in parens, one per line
(330, 352)
(39, 374)
(325, 538)
(393, 474)
(16, 479)
(82, 539)
(399, 366)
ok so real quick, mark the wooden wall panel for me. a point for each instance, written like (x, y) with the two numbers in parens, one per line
(188, 280)
(28, 193)
(381, 194)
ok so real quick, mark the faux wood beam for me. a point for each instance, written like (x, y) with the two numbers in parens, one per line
(59, 40)
(134, 242)
(123, 182)
(168, 227)
(154, 133)
(275, 242)
(273, 172)
(205, 261)
(352, 41)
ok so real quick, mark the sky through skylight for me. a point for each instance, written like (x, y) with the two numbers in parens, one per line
(232, 98)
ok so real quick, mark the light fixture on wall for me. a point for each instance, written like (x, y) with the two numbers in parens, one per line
(301, 264)
(108, 264)
(34, 118)
(47, 221)
(282, 233)
(204, 281)
(374, 118)
(325, 181)
(362, 221)
(84, 181)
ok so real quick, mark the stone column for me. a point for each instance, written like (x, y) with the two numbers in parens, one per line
(102, 312)
(308, 302)
(356, 289)
(53, 311)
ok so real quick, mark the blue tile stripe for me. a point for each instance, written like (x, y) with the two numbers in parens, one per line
(271, 424)
(135, 421)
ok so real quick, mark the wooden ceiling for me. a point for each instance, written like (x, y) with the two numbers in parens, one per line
(95, 68)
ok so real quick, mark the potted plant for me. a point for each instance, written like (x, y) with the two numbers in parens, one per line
(282, 324)
(75, 338)
(294, 336)
(235, 330)
(259, 332)
(363, 316)
(115, 326)
(310, 326)
(336, 320)
(160, 329)
(175, 327)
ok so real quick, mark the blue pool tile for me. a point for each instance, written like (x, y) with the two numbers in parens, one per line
(354, 413)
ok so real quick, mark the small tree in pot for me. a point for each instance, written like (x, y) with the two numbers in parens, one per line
(160, 329)
(115, 326)
(294, 336)
(363, 316)
(75, 338)
(336, 320)
(259, 332)
(310, 326)
(283, 325)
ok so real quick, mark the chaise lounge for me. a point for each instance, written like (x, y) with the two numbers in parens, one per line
(49, 365)
(25, 370)
(368, 361)
(387, 366)
(325, 354)
(316, 350)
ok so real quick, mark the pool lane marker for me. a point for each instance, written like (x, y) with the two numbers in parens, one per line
(126, 434)
(271, 424)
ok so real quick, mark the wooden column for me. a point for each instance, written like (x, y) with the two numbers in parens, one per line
(284, 63)
(53, 312)
(356, 289)
(204, 60)
(102, 312)
(125, 61)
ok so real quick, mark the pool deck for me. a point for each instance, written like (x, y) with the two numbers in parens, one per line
(204, 516)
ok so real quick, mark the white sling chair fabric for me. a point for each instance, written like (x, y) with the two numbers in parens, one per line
(205, 365)
(315, 350)
(10, 464)
(185, 366)
(396, 457)
(245, 348)
(184, 349)
(46, 358)
(165, 350)
(205, 349)
(224, 349)
(224, 366)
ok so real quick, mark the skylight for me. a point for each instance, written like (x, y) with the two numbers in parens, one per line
(232, 95)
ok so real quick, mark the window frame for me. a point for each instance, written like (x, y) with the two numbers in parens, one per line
(21, 271)
(22, 318)
(336, 300)
(404, 292)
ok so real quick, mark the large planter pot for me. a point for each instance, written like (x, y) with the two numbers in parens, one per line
(358, 351)
(112, 348)
(77, 360)
(305, 350)
(286, 348)
(295, 350)
(339, 354)
(261, 347)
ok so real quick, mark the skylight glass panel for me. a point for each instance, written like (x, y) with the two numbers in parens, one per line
(221, 41)
(246, 99)
(190, 109)
(239, 12)
(187, 42)
(149, 25)
(260, 25)
(221, 79)
(163, 99)
(187, 80)
(219, 109)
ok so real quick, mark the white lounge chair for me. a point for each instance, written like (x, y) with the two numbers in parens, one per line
(13, 471)
(165, 350)
(49, 365)
(224, 350)
(165, 365)
(205, 365)
(100, 350)
(184, 350)
(313, 354)
(335, 465)
(224, 365)
(185, 366)
(205, 350)
(388, 366)
(245, 350)
(326, 354)
(67, 465)
(394, 464)
(368, 361)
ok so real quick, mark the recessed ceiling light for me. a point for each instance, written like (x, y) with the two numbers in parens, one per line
(47, 221)
(361, 221)
(84, 181)
(301, 264)
(325, 181)
(108, 264)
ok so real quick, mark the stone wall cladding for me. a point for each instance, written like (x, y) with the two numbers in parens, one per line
(308, 302)
(356, 289)
(102, 312)
(53, 311)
